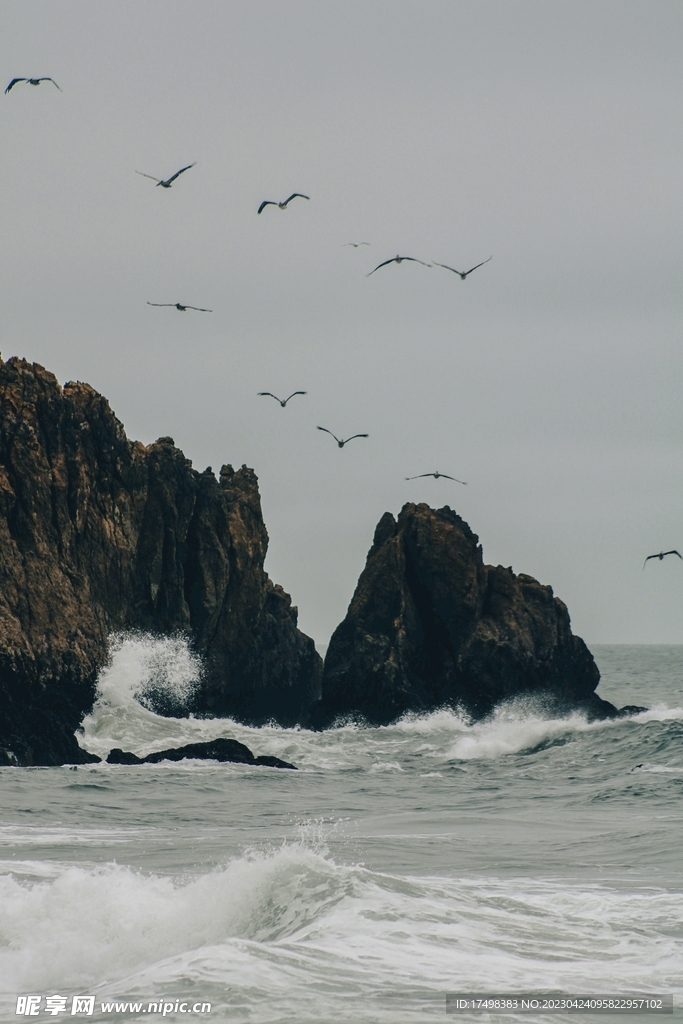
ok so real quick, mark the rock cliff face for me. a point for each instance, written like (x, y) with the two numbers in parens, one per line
(100, 534)
(430, 624)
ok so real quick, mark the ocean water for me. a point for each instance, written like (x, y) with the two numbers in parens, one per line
(399, 864)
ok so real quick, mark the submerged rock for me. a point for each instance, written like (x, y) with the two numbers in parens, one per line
(212, 750)
(118, 756)
(99, 534)
(430, 625)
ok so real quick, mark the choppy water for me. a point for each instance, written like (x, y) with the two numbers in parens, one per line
(397, 865)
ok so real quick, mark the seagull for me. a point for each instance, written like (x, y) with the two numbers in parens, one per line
(342, 443)
(283, 206)
(31, 81)
(663, 554)
(436, 476)
(398, 259)
(280, 400)
(169, 181)
(463, 274)
(179, 307)
(354, 244)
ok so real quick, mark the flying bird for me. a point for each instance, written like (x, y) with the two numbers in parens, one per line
(342, 443)
(661, 555)
(179, 307)
(169, 181)
(30, 81)
(463, 273)
(283, 206)
(436, 476)
(398, 259)
(283, 402)
(354, 244)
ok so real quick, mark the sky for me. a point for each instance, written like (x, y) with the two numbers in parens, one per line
(548, 135)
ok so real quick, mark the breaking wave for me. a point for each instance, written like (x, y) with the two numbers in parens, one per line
(294, 921)
(147, 671)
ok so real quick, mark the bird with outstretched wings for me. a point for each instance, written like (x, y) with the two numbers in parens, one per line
(398, 259)
(282, 205)
(339, 440)
(166, 183)
(179, 306)
(661, 555)
(437, 476)
(31, 81)
(463, 273)
(283, 402)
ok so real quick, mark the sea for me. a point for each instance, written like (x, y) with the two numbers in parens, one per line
(397, 870)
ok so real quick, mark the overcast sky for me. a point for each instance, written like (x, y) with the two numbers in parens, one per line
(546, 133)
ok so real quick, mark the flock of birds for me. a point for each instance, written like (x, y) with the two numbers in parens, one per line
(168, 182)
(182, 308)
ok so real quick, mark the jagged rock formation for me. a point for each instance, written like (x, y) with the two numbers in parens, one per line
(100, 534)
(430, 624)
(212, 750)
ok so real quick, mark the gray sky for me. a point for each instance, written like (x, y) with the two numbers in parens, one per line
(546, 134)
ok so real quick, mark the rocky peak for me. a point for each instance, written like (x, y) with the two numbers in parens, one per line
(430, 625)
(101, 534)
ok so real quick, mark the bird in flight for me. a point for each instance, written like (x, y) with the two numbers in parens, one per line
(398, 259)
(31, 81)
(463, 273)
(169, 181)
(179, 307)
(342, 443)
(354, 244)
(283, 206)
(436, 476)
(661, 555)
(283, 402)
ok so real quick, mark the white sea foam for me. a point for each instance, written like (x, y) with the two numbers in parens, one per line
(13, 835)
(141, 667)
(295, 923)
(107, 921)
(508, 733)
(659, 713)
(484, 855)
(386, 766)
(524, 724)
(141, 664)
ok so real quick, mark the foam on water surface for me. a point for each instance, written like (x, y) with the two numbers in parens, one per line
(307, 920)
(143, 668)
(400, 863)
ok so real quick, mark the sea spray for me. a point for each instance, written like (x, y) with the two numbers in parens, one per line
(300, 919)
(146, 675)
(430, 856)
(124, 716)
(152, 670)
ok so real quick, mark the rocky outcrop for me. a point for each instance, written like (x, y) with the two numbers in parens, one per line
(224, 750)
(431, 625)
(99, 534)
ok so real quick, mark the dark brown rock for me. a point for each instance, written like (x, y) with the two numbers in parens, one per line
(221, 749)
(100, 534)
(118, 756)
(270, 761)
(630, 709)
(431, 625)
